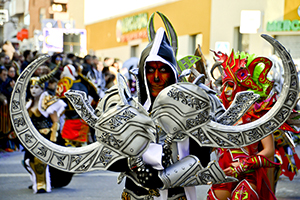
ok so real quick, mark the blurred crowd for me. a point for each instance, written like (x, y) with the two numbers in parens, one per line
(101, 73)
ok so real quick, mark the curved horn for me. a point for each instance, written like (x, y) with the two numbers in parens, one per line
(76, 160)
(215, 65)
(150, 28)
(170, 31)
(184, 108)
(46, 77)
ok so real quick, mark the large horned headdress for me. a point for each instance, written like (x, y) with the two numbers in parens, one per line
(242, 72)
(40, 81)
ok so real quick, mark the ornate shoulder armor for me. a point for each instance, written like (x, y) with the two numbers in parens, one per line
(48, 100)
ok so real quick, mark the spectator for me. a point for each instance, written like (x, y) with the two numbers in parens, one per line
(3, 77)
(87, 65)
(5, 124)
(9, 84)
(28, 57)
(70, 59)
(17, 62)
(56, 59)
(52, 83)
(12, 73)
(116, 64)
(96, 77)
(7, 61)
(2, 58)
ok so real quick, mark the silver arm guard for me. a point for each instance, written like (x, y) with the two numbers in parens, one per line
(240, 105)
(189, 172)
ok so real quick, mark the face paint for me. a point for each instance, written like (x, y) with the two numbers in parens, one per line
(228, 91)
(158, 76)
(36, 90)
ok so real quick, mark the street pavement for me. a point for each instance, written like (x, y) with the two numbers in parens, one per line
(97, 185)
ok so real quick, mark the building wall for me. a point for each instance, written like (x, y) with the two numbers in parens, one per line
(76, 12)
(189, 17)
(290, 9)
(224, 22)
(34, 11)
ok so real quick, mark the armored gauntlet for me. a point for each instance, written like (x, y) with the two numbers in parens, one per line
(189, 172)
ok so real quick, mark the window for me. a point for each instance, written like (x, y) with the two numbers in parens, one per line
(134, 51)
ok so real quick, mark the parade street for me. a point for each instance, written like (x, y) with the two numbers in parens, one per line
(97, 185)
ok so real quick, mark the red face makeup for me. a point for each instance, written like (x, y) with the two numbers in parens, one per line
(158, 75)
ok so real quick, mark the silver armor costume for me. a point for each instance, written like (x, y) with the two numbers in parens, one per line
(125, 130)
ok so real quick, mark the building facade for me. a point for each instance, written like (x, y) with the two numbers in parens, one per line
(214, 24)
(277, 18)
(190, 18)
(35, 15)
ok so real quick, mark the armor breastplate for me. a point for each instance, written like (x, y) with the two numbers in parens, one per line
(181, 107)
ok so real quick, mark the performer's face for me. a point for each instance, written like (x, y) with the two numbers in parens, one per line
(158, 76)
(35, 90)
(229, 90)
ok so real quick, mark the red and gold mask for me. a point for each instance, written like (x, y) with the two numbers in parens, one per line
(238, 75)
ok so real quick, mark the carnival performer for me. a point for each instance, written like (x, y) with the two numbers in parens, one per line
(242, 72)
(74, 130)
(44, 111)
(156, 71)
(127, 136)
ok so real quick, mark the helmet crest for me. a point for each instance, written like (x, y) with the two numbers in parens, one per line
(244, 72)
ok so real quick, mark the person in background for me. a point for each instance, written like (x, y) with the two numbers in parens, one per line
(116, 64)
(70, 59)
(17, 62)
(44, 111)
(87, 65)
(97, 77)
(28, 57)
(3, 78)
(108, 75)
(5, 124)
(56, 59)
(14, 142)
(51, 88)
(8, 85)
(2, 58)
(74, 130)
(7, 61)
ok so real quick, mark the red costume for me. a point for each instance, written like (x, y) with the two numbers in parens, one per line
(246, 72)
